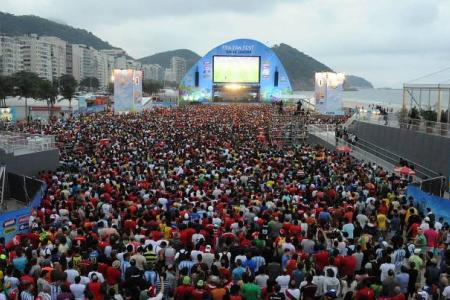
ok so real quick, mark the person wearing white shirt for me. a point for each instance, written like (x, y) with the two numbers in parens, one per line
(71, 273)
(283, 281)
(384, 268)
(78, 289)
(100, 277)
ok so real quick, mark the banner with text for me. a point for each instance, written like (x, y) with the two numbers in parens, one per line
(328, 93)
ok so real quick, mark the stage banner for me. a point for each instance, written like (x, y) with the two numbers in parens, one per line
(328, 93)
(127, 90)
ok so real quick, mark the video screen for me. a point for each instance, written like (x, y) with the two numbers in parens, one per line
(236, 69)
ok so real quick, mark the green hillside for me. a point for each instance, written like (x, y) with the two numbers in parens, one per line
(19, 25)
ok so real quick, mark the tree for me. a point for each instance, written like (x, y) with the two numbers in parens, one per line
(151, 86)
(48, 91)
(6, 89)
(26, 84)
(91, 83)
(111, 88)
(67, 87)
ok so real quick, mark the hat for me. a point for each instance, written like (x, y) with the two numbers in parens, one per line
(116, 264)
(186, 280)
(368, 266)
(417, 251)
(200, 283)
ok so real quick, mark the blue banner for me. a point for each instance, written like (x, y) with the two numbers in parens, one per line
(439, 206)
(17, 221)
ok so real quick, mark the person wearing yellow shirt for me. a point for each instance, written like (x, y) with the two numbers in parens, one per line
(382, 223)
(409, 212)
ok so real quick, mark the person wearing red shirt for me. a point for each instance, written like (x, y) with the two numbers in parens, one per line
(199, 293)
(113, 275)
(432, 237)
(295, 229)
(321, 259)
(365, 293)
(95, 287)
(348, 265)
(185, 290)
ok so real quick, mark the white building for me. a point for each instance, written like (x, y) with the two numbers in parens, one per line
(102, 70)
(36, 56)
(74, 55)
(10, 56)
(169, 75)
(57, 54)
(153, 72)
(178, 66)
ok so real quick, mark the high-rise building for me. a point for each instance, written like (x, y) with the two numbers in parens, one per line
(178, 66)
(10, 56)
(58, 53)
(36, 56)
(75, 55)
(169, 75)
(153, 72)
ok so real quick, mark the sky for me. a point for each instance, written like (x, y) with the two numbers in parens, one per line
(388, 42)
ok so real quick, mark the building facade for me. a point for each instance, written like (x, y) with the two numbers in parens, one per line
(10, 56)
(58, 54)
(153, 72)
(36, 56)
(178, 67)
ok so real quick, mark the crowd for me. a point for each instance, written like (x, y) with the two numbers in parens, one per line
(187, 203)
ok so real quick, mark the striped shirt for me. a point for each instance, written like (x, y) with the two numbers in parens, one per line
(55, 290)
(259, 261)
(26, 296)
(186, 264)
(150, 257)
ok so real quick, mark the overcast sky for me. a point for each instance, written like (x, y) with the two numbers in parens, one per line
(386, 41)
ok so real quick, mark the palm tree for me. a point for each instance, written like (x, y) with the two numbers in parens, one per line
(48, 91)
(67, 87)
(26, 84)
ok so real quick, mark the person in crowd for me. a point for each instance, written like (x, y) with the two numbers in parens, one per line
(187, 202)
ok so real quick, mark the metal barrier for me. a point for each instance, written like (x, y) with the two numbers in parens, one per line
(327, 133)
(17, 143)
(428, 127)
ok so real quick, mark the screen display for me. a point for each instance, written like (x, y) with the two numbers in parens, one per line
(236, 69)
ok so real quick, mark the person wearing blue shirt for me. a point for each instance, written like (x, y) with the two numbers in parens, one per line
(20, 262)
(237, 272)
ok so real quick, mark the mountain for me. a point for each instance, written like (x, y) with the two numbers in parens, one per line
(356, 82)
(19, 25)
(163, 58)
(299, 66)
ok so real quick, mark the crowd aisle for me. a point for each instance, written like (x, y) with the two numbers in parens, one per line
(188, 203)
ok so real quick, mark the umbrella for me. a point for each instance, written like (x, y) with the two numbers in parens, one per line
(404, 171)
(343, 149)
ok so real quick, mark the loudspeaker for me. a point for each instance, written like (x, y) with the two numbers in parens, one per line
(197, 78)
(275, 79)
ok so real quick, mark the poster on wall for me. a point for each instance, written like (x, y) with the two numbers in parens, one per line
(8, 115)
(127, 90)
(328, 93)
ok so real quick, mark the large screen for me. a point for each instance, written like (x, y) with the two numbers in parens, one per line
(236, 69)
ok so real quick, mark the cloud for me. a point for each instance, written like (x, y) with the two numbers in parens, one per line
(386, 41)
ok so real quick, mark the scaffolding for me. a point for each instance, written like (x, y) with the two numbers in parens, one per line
(288, 128)
(428, 97)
